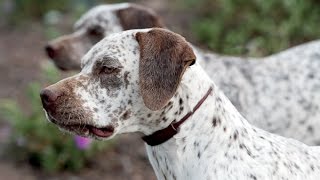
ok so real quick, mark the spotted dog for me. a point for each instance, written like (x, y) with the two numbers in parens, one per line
(148, 81)
(279, 93)
(282, 89)
(67, 51)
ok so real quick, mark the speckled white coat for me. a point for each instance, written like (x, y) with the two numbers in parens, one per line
(278, 93)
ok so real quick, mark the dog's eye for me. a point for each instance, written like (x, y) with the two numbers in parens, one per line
(96, 31)
(108, 70)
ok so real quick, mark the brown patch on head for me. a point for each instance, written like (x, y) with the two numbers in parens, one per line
(138, 17)
(164, 56)
(107, 72)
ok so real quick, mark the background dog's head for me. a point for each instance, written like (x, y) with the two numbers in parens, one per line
(100, 21)
(126, 84)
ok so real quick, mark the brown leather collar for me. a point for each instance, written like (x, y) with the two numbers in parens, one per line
(165, 134)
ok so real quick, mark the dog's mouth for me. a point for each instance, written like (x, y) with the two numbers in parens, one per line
(85, 130)
(89, 130)
(104, 132)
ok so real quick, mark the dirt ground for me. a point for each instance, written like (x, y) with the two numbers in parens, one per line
(21, 55)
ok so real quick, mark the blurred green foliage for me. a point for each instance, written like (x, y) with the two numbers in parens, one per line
(254, 27)
(251, 27)
(20, 11)
(25, 10)
(42, 144)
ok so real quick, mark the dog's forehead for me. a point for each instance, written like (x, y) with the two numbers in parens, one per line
(98, 14)
(121, 46)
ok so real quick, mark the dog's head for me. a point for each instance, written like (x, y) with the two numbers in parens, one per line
(127, 84)
(100, 21)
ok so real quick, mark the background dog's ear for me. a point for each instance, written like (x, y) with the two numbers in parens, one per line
(138, 17)
(164, 56)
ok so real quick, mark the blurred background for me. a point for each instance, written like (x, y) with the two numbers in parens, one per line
(31, 148)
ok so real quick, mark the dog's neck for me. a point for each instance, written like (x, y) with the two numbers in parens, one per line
(193, 87)
(216, 116)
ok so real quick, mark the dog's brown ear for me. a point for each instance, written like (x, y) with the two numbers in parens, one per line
(138, 17)
(164, 56)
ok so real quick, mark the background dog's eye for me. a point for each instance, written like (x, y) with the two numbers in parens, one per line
(96, 31)
(95, 34)
(108, 70)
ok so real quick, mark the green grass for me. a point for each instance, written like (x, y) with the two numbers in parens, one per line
(254, 27)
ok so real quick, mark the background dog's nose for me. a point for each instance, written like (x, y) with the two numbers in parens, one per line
(51, 52)
(48, 97)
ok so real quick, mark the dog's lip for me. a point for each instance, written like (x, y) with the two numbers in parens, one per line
(102, 132)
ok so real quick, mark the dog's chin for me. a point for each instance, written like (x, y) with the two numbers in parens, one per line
(66, 65)
(85, 130)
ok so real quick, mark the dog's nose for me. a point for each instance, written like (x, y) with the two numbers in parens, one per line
(48, 97)
(50, 50)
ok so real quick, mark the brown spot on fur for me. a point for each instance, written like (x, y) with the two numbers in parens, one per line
(109, 80)
(126, 81)
(114, 120)
(126, 115)
(138, 17)
(214, 122)
(164, 56)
